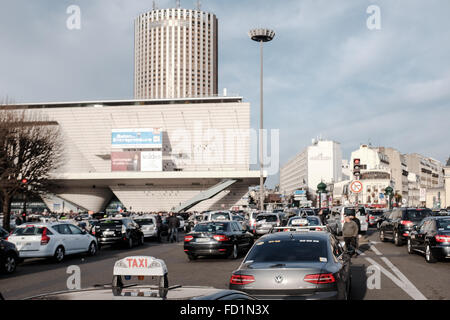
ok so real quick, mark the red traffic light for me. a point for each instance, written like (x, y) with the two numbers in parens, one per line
(24, 181)
(356, 161)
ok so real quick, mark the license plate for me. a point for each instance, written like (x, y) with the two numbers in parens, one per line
(109, 233)
(202, 239)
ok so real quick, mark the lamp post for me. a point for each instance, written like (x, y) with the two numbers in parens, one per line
(261, 36)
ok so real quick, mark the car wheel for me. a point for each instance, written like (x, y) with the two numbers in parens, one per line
(234, 254)
(192, 257)
(59, 254)
(429, 257)
(10, 263)
(382, 237)
(409, 246)
(130, 242)
(397, 240)
(92, 251)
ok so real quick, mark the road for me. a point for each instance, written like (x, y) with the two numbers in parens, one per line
(403, 276)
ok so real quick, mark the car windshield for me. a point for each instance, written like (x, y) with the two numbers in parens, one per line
(349, 211)
(295, 250)
(29, 231)
(220, 216)
(144, 222)
(267, 218)
(443, 224)
(417, 214)
(110, 223)
(211, 227)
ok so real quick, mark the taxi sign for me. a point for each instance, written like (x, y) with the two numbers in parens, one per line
(140, 266)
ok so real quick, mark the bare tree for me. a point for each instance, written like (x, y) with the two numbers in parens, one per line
(30, 149)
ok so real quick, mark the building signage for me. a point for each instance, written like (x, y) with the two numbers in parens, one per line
(151, 161)
(137, 161)
(136, 138)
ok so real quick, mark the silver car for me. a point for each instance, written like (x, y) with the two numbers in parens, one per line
(148, 226)
(265, 222)
(305, 265)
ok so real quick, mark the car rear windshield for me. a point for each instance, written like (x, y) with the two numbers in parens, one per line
(29, 231)
(295, 250)
(211, 227)
(417, 214)
(220, 216)
(144, 222)
(376, 213)
(267, 218)
(349, 211)
(443, 224)
(110, 223)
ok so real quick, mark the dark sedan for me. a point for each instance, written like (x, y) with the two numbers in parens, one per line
(295, 265)
(9, 257)
(217, 238)
(432, 238)
(118, 231)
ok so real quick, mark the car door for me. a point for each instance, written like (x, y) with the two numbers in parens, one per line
(389, 224)
(414, 235)
(81, 241)
(66, 237)
(421, 234)
(240, 235)
(342, 261)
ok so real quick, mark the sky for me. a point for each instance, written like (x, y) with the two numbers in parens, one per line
(326, 73)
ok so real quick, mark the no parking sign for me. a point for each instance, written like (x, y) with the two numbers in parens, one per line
(356, 186)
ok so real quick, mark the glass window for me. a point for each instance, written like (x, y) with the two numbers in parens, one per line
(212, 227)
(417, 214)
(443, 224)
(267, 218)
(62, 229)
(75, 230)
(296, 250)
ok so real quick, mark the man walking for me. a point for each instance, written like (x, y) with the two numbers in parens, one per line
(174, 224)
(350, 233)
(159, 225)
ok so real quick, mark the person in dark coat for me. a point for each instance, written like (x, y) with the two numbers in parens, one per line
(173, 224)
(159, 225)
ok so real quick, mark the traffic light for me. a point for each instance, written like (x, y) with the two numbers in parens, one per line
(357, 168)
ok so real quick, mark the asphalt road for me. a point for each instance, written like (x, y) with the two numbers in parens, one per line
(402, 276)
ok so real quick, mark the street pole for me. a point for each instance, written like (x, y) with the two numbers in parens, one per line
(261, 36)
(261, 128)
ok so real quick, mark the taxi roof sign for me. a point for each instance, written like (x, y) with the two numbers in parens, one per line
(140, 266)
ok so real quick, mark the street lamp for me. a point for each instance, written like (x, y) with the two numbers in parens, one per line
(261, 36)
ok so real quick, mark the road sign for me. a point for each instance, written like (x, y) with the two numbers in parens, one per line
(356, 186)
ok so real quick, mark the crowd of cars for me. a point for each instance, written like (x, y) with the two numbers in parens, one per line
(290, 253)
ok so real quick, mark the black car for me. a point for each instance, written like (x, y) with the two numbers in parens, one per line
(118, 231)
(398, 223)
(297, 265)
(432, 238)
(217, 238)
(3, 233)
(9, 256)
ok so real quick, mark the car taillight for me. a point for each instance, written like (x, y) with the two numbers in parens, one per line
(320, 278)
(371, 218)
(188, 238)
(406, 223)
(241, 279)
(44, 238)
(440, 238)
(221, 237)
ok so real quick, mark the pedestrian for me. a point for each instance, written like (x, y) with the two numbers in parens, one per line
(358, 223)
(18, 220)
(322, 217)
(174, 224)
(159, 225)
(350, 234)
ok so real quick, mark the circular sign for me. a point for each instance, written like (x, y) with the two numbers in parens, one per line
(356, 186)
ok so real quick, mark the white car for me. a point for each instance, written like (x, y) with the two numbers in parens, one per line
(46, 240)
(182, 224)
(359, 213)
(148, 226)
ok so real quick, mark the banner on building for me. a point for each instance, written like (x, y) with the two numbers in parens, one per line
(136, 138)
(126, 161)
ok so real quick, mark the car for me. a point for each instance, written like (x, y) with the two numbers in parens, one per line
(432, 238)
(193, 221)
(265, 222)
(251, 221)
(9, 257)
(147, 225)
(241, 220)
(116, 231)
(218, 215)
(52, 240)
(304, 265)
(136, 268)
(374, 217)
(226, 238)
(358, 212)
(3, 233)
(307, 212)
(398, 223)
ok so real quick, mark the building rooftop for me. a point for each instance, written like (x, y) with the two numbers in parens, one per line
(132, 102)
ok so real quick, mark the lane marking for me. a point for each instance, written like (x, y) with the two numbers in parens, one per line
(401, 281)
